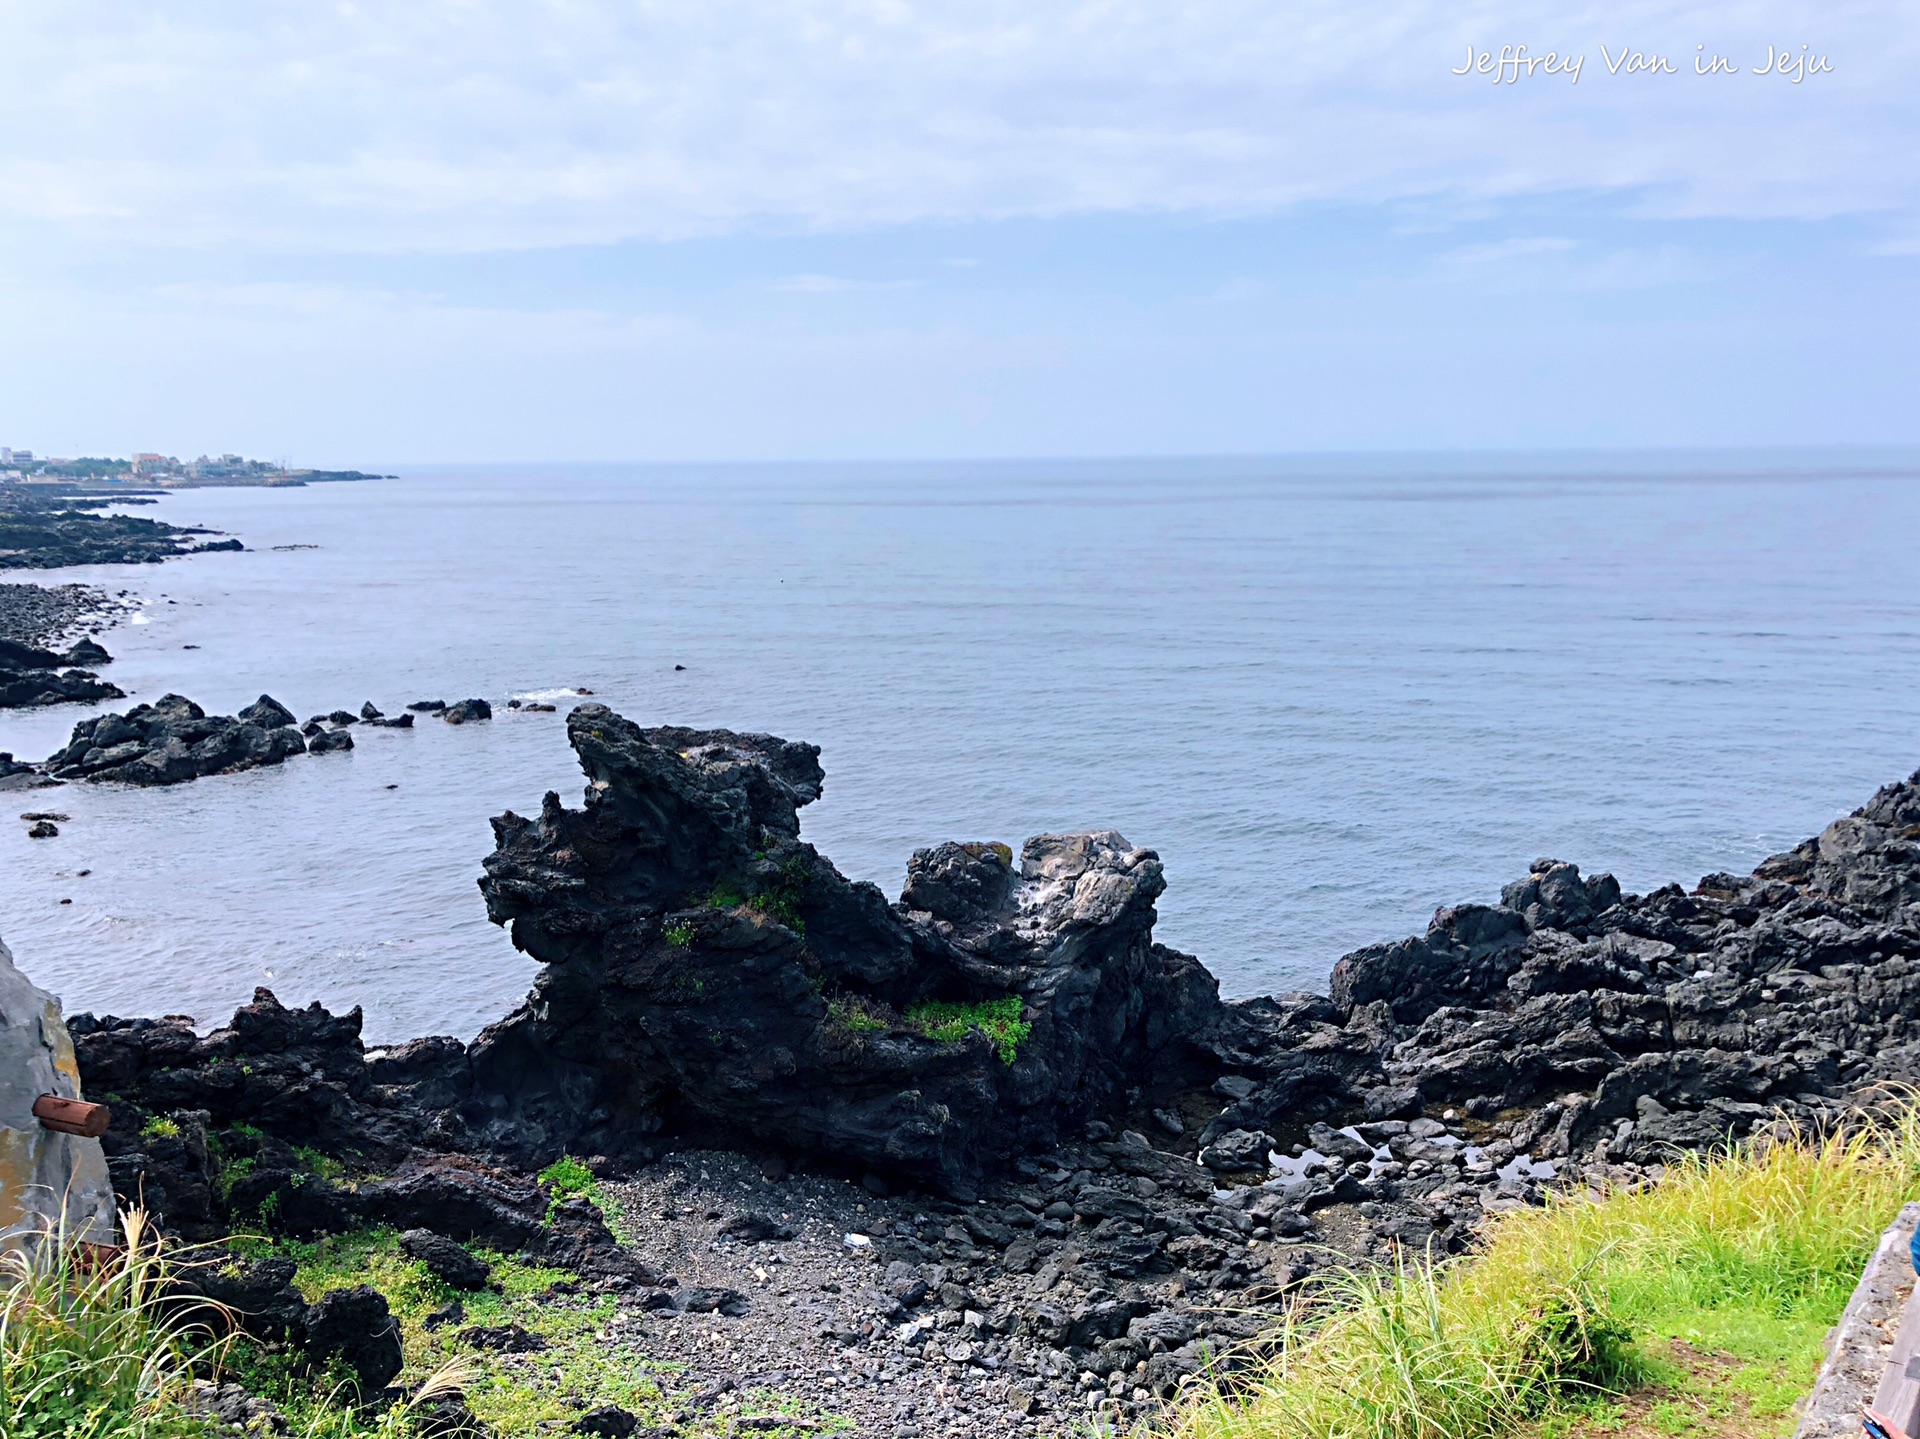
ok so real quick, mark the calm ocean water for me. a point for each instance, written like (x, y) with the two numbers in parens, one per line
(1333, 693)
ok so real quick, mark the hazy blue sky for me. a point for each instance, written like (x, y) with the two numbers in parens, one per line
(355, 232)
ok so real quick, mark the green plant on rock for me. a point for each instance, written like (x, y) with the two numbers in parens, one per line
(567, 1178)
(723, 895)
(860, 1015)
(679, 935)
(999, 1019)
(325, 1166)
(778, 901)
(159, 1127)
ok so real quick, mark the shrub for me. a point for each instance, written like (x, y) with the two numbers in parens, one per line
(998, 1019)
(568, 1177)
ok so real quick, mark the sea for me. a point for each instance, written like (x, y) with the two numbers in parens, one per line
(1333, 692)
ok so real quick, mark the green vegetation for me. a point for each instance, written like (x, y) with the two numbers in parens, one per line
(1696, 1306)
(568, 1177)
(159, 1127)
(859, 1015)
(777, 901)
(324, 1166)
(679, 935)
(594, 1350)
(998, 1019)
(517, 1395)
(88, 1349)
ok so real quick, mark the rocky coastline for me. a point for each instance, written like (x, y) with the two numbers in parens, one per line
(52, 617)
(31, 676)
(52, 526)
(989, 1157)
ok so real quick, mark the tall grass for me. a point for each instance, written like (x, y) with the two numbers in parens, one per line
(92, 1345)
(99, 1343)
(1758, 1246)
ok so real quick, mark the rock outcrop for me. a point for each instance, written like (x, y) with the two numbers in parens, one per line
(707, 970)
(1629, 1026)
(49, 1181)
(50, 526)
(218, 1129)
(33, 676)
(708, 977)
(174, 740)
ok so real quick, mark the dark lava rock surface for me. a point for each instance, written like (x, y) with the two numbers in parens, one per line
(51, 526)
(707, 969)
(174, 740)
(49, 616)
(33, 676)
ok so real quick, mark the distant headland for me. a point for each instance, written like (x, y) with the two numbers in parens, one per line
(163, 471)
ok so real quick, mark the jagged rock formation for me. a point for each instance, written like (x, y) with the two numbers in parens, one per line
(710, 978)
(33, 676)
(243, 1110)
(708, 970)
(174, 740)
(1151, 1159)
(1632, 1025)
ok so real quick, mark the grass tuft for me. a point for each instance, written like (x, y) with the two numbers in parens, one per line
(91, 1345)
(1748, 1255)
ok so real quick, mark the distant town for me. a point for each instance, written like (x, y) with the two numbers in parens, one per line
(162, 471)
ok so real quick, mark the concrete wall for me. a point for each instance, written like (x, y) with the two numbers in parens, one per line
(43, 1173)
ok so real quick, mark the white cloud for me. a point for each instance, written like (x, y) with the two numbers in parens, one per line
(447, 124)
(835, 284)
(1501, 251)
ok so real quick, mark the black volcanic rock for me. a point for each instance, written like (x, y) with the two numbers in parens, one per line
(276, 1082)
(355, 1326)
(708, 978)
(1631, 1026)
(32, 676)
(705, 965)
(465, 711)
(173, 741)
(267, 712)
(445, 1259)
(50, 526)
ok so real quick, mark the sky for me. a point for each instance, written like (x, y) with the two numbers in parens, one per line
(361, 234)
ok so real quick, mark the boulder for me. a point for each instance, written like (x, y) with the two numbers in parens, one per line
(173, 741)
(445, 1259)
(355, 1326)
(466, 710)
(267, 712)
